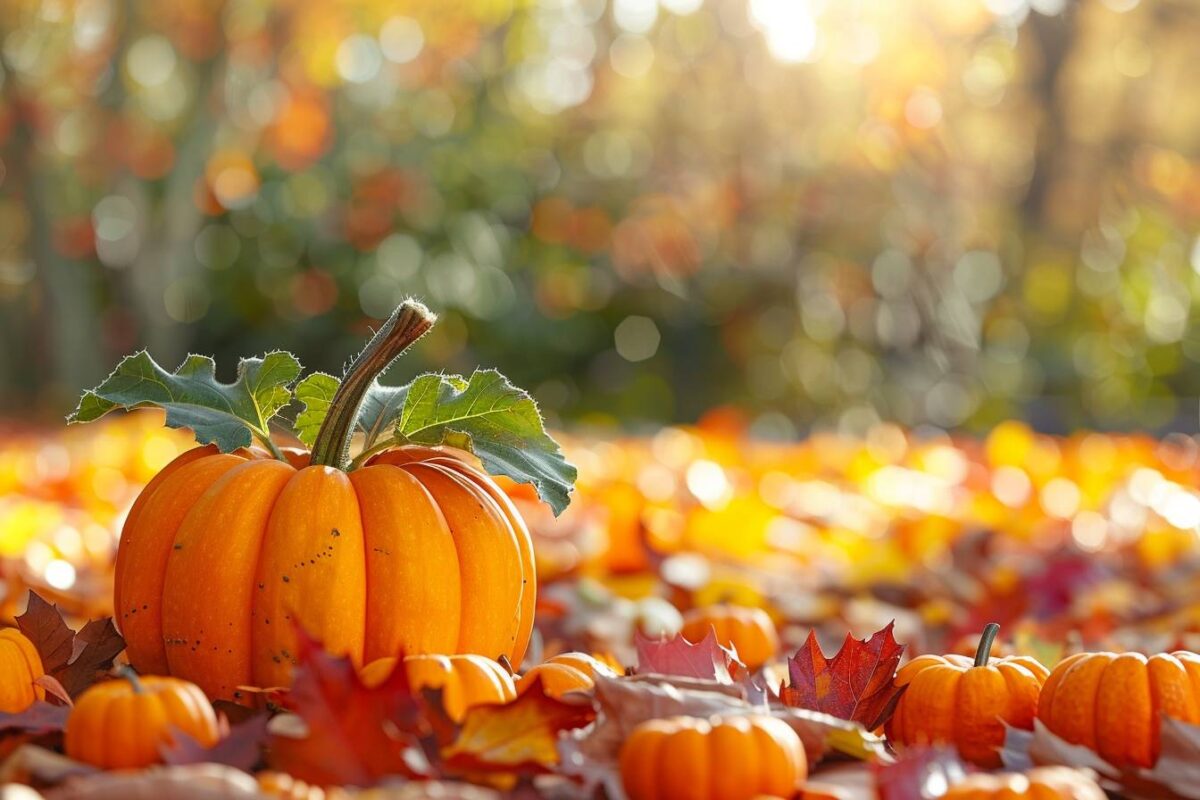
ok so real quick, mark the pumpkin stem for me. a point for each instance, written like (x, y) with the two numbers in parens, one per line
(407, 323)
(984, 653)
(125, 671)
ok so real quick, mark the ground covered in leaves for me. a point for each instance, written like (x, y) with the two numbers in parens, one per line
(864, 552)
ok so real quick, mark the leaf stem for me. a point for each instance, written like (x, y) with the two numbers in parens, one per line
(984, 653)
(408, 323)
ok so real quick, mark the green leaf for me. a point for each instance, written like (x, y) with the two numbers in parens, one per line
(316, 393)
(491, 418)
(229, 415)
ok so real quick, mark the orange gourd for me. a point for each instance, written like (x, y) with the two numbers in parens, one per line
(417, 551)
(121, 724)
(727, 758)
(1112, 703)
(466, 680)
(953, 700)
(749, 630)
(567, 672)
(1040, 783)
(20, 666)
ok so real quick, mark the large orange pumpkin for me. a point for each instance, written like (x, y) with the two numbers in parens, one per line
(466, 680)
(1113, 702)
(417, 552)
(20, 666)
(750, 631)
(953, 700)
(729, 758)
(122, 724)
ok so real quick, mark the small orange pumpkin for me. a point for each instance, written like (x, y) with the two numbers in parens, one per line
(749, 630)
(121, 724)
(727, 758)
(1112, 702)
(1040, 783)
(952, 700)
(20, 666)
(566, 672)
(466, 680)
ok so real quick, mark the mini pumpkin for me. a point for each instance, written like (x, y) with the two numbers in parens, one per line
(417, 551)
(956, 701)
(727, 758)
(749, 630)
(20, 666)
(466, 680)
(1040, 783)
(566, 672)
(121, 724)
(1112, 703)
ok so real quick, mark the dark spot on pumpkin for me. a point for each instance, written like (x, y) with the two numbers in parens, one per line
(144, 606)
(262, 586)
(286, 579)
(276, 659)
(335, 532)
(178, 546)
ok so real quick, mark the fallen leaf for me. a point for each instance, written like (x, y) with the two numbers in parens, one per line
(38, 719)
(101, 644)
(352, 734)
(42, 624)
(1176, 775)
(241, 748)
(920, 773)
(53, 688)
(518, 737)
(75, 660)
(851, 781)
(183, 782)
(705, 659)
(39, 767)
(856, 684)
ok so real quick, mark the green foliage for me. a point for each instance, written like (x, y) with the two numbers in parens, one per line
(228, 415)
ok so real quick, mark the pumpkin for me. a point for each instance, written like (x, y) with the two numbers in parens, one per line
(20, 666)
(1112, 702)
(466, 680)
(122, 723)
(727, 758)
(956, 701)
(416, 551)
(749, 631)
(1040, 783)
(566, 672)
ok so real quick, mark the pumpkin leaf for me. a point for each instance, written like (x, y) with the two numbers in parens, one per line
(351, 734)
(485, 415)
(75, 660)
(518, 737)
(856, 684)
(705, 659)
(228, 415)
(241, 747)
(316, 392)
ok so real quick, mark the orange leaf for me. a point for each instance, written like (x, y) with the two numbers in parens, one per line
(521, 736)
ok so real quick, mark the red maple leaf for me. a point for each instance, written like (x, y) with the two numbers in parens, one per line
(919, 773)
(352, 734)
(240, 747)
(856, 684)
(75, 660)
(705, 659)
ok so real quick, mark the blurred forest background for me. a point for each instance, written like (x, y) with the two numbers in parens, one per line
(826, 212)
